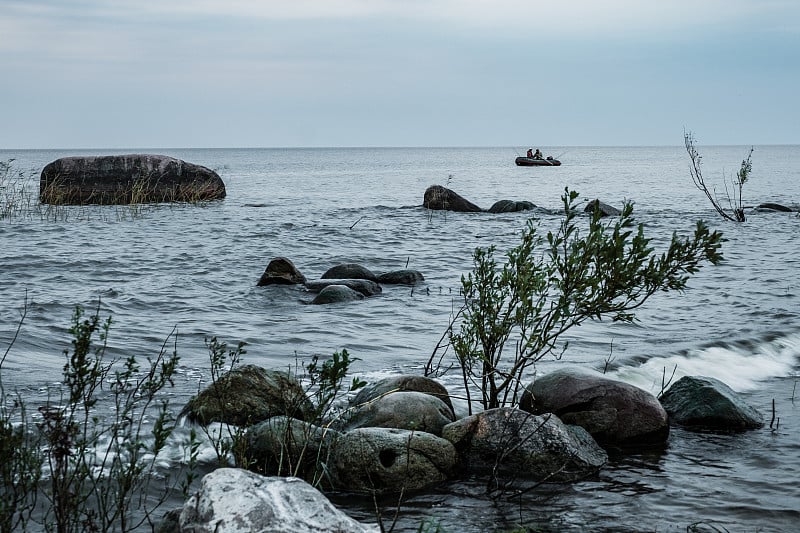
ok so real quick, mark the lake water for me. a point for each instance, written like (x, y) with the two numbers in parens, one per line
(196, 267)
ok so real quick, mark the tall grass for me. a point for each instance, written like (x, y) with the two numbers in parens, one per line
(20, 198)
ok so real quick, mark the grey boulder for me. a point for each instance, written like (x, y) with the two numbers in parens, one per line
(615, 413)
(604, 209)
(708, 403)
(404, 410)
(284, 446)
(402, 382)
(512, 443)
(378, 460)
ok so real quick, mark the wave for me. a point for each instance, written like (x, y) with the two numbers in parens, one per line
(741, 365)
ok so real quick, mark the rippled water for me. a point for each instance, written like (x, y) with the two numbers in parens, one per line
(195, 268)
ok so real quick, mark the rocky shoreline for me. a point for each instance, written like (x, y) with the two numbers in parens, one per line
(402, 434)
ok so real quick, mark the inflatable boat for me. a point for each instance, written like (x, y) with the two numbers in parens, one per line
(532, 162)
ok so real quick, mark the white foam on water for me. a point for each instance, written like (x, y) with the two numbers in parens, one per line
(741, 366)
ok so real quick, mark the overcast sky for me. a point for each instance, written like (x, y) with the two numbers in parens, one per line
(236, 73)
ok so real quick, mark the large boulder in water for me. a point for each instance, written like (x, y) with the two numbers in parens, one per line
(247, 395)
(231, 500)
(513, 443)
(125, 179)
(615, 413)
(442, 198)
(401, 277)
(707, 403)
(604, 209)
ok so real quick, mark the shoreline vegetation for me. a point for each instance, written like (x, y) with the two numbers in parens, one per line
(74, 468)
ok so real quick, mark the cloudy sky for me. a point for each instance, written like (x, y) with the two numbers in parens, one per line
(269, 73)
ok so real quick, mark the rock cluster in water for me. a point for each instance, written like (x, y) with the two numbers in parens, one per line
(441, 198)
(342, 283)
(126, 179)
(401, 433)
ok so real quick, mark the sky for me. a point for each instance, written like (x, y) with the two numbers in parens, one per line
(297, 73)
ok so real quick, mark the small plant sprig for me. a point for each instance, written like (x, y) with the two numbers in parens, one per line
(228, 447)
(735, 211)
(325, 380)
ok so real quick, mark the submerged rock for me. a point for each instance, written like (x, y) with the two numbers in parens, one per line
(769, 206)
(364, 286)
(333, 294)
(707, 403)
(349, 271)
(125, 179)
(605, 209)
(401, 277)
(231, 500)
(511, 206)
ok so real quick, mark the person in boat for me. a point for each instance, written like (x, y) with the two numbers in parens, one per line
(530, 153)
(537, 155)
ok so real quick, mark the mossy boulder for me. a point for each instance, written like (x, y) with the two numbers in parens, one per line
(247, 395)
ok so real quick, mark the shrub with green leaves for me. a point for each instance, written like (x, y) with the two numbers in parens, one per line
(547, 285)
(77, 468)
